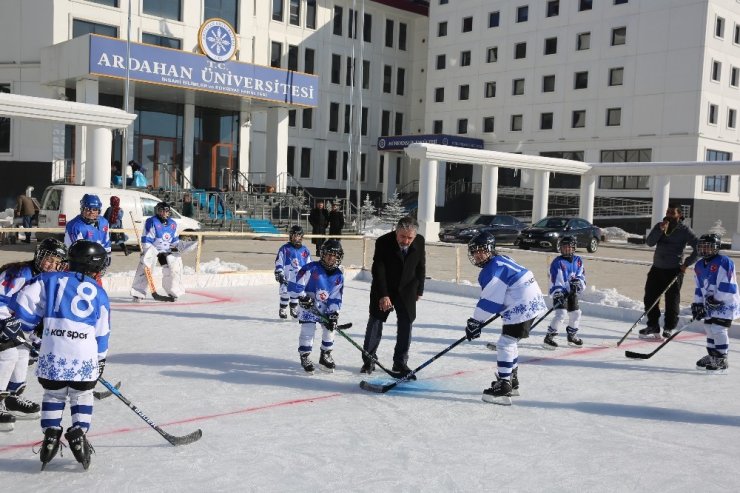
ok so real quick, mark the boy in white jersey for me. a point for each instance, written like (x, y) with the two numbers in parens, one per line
(291, 257)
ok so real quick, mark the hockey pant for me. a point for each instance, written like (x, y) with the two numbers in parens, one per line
(717, 336)
(54, 402)
(171, 274)
(305, 339)
(13, 373)
(574, 319)
(285, 297)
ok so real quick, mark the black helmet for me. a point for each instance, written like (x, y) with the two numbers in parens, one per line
(295, 235)
(87, 257)
(709, 245)
(331, 247)
(50, 247)
(567, 246)
(481, 242)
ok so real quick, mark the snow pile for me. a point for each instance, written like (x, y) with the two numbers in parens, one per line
(609, 297)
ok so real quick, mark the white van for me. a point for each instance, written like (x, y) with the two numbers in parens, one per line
(61, 203)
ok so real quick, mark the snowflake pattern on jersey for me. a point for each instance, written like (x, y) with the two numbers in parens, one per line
(530, 309)
(59, 369)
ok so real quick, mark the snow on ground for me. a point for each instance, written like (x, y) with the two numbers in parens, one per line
(588, 419)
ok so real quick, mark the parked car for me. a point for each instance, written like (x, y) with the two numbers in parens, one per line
(504, 228)
(547, 232)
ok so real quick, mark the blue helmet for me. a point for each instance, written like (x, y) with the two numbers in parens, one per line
(90, 201)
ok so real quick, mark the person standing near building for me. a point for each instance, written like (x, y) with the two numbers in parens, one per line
(669, 237)
(26, 209)
(399, 270)
(336, 220)
(319, 220)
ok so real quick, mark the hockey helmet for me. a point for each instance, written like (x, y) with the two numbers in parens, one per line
(567, 246)
(163, 210)
(50, 255)
(295, 236)
(481, 243)
(90, 206)
(328, 249)
(87, 257)
(709, 245)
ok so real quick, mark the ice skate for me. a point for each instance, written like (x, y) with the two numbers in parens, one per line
(22, 408)
(573, 339)
(717, 364)
(50, 445)
(499, 393)
(650, 334)
(137, 299)
(515, 382)
(491, 346)
(81, 448)
(294, 311)
(326, 362)
(549, 341)
(7, 420)
(306, 363)
(283, 313)
(702, 363)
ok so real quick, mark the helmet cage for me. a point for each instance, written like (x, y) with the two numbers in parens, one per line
(331, 248)
(483, 242)
(708, 245)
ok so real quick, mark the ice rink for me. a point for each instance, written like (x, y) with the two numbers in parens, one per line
(220, 360)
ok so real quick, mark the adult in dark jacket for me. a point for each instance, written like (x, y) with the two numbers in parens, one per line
(669, 237)
(399, 269)
(319, 220)
(336, 220)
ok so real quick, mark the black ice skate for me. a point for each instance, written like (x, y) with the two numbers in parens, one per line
(549, 341)
(283, 313)
(499, 393)
(515, 382)
(703, 362)
(573, 339)
(650, 334)
(21, 407)
(294, 311)
(326, 362)
(7, 420)
(50, 445)
(717, 363)
(491, 346)
(81, 448)
(667, 333)
(306, 363)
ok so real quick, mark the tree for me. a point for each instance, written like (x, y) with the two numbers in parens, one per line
(367, 210)
(393, 210)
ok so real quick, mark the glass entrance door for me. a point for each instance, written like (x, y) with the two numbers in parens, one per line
(222, 165)
(158, 161)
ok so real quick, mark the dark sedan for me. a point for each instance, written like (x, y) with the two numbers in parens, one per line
(547, 233)
(504, 228)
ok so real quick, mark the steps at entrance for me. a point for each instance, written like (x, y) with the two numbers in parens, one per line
(262, 226)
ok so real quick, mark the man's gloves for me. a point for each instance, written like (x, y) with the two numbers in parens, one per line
(713, 304)
(11, 329)
(280, 277)
(698, 312)
(473, 329)
(558, 299)
(331, 320)
(575, 286)
(306, 302)
(101, 367)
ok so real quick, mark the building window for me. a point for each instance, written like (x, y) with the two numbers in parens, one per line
(387, 78)
(366, 74)
(352, 24)
(400, 81)
(309, 57)
(292, 57)
(291, 160)
(583, 41)
(464, 92)
(580, 80)
(367, 29)
(337, 20)
(399, 123)
(345, 165)
(291, 118)
(716, 71)
(4, 124)
(462, 126)
(349, 78)
(517, 87)
(295, 12)
(551, 46)
(437, 127)
(363, 122)
(169, 9)
(109, 3)
(522, 13)
(713, 111)
(439, 95)
(156, 39)
(488, 124)
(441, 62)
(80, 28)
(221, 9)
(585, 5)
(620, 2)
(305, 162)
(734, 75)
(619, 36)
(545, 121)
(277, 10)
(276, 52)
(307, 118)
(553, 8)
(389, 33)
(347, 117)
(719, 27)
(465, 58)
(492, 54)
(736, 37)
(625, 156)
(311, 14)
(548, 83)
(336, 69)
(385, 123)
(717, 183)
(331, 166)
(520, 50)
(402, 36)
(333, 117)
(616, 76)
(494, 19)
(443, 2)
(516, 123)
(442, 29)
(490, 90)
(579, 119)
(467, 24)
(613, 117)
(731, 118)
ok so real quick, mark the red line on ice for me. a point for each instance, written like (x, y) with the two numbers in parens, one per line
(212, 300)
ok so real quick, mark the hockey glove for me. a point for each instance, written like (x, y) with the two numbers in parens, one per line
(33, 352)
(575, 286)
(11, 329)
(279, 277)
(101, 367)
(713, 304)
(306, 302)
(558, 299)
(473, 329)
(331, 321)
(697, 311)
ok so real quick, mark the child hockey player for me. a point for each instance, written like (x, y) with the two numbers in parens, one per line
(76, 315)
(114, 216)
(319, 287)
(89, 225)
(50, 256)
(716, 301)
(291, 257)
(567, 281)
(512, 291)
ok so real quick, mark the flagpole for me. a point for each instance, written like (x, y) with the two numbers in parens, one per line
(124, 149)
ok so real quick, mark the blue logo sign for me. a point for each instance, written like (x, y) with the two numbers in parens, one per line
(400, 142)
(217, 40)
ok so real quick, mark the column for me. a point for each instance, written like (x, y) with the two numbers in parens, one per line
(277, 148)
(736, 234)
(188, 143)
(427, 199)
(245, 139)
(87, 92)
(661, 196)
(541, 194)
(441, 183)
(99, 147)
(489, 189)
(392, 168)
(588, 194)
(386, 175)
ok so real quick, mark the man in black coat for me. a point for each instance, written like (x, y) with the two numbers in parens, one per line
(399, 269)
(319, 220)
(336, 221)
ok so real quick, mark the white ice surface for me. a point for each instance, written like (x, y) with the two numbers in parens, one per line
(588, 419)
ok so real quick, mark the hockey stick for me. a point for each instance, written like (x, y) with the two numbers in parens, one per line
(106, 393)
(382, 389)
(174, 440)
(147, 270)
(657, 300)
(492, 345)
(634, 355)
(369, 356)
